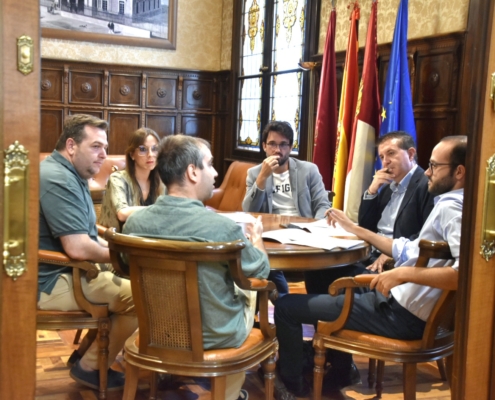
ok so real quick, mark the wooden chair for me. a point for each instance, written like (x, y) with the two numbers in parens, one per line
(164, 280)
(94, 317)
(437, 341)
(229, 196)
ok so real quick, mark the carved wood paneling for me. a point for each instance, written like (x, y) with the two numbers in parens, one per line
(125, 90)
(86, 88)
(51, 128)
(161, 93)
(198, 126)
(51, 85)
(121, 126)
(170, 101)
(197, 94)
(164, 125)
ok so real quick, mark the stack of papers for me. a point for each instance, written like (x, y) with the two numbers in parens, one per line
(303, 238)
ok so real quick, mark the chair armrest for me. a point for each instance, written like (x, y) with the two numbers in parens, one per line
(101, 229)
(263, 287)
(58, 258)
(348, 283)
(92, 271)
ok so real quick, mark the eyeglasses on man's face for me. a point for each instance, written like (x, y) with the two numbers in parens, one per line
(281, 146)
(433, 165)
(144, 151)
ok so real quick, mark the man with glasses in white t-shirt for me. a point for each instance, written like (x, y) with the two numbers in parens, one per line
(284, 185)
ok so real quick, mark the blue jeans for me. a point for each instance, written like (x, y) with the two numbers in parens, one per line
(371, 313)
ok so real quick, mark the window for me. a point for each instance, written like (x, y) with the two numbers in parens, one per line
(270, 85)
(121, 7)
(105, 5)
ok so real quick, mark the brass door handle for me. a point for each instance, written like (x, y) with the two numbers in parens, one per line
(15, 209)
(488, 225)
(492, 91)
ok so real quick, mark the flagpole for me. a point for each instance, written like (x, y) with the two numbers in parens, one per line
(309, 66)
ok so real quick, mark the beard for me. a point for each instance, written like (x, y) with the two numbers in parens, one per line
(283, 160)
(442, 186)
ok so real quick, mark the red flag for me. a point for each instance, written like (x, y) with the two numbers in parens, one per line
(326, 115)
(366, 126)
(348, 101)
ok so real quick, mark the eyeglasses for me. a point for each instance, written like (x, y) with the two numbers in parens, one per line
(281, 146)
(144, 151)
(433, 165)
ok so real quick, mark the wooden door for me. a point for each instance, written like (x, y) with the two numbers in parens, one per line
(19, 121)
(474, 354)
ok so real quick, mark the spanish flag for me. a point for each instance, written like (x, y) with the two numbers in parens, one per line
(348, 101)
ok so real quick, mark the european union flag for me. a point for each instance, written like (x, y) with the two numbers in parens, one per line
(397, 110)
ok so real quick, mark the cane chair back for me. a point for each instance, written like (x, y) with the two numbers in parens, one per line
(164, 281)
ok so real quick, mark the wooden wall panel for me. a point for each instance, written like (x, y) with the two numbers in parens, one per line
(161, 93)
(168, 101)
(198, 94)
(86, 88)
(434, 79)
(125, 90)
(164, 125)
(198, 126)
(52, 85)
(51, 128)
(122, 125)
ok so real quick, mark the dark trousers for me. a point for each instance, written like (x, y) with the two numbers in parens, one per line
(371, 313)
(278, 278)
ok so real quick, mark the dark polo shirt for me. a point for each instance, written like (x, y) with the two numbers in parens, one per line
(66, 208)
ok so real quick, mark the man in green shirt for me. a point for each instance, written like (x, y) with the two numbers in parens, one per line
(185, 165)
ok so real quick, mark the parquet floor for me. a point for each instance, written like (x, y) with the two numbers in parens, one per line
(53, 381)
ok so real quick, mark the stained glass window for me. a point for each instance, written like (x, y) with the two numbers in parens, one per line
(270, 60)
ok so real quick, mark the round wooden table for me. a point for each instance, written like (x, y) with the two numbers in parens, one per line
(288, 257)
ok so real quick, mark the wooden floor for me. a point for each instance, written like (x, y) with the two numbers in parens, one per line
(53, 381)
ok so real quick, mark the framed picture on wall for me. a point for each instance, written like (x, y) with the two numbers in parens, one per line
(143, 23)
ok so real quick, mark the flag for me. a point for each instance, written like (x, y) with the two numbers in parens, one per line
(326, 114)
(397, 111)
(366, 126)
(348, 102)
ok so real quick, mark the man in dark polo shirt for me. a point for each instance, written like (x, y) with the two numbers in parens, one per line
(68, 224)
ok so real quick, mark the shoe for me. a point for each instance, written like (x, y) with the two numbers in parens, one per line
(243, 395)
(75, 356)
(297, 386)
(115, 379)
(336, 379)
(281, 391)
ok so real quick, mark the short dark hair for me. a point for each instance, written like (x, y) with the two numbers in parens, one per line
(404, 140)
(281, 127)
(175, 154)
(459, 150)
(74, 128)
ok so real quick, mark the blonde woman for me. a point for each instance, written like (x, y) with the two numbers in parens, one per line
(139, 185)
